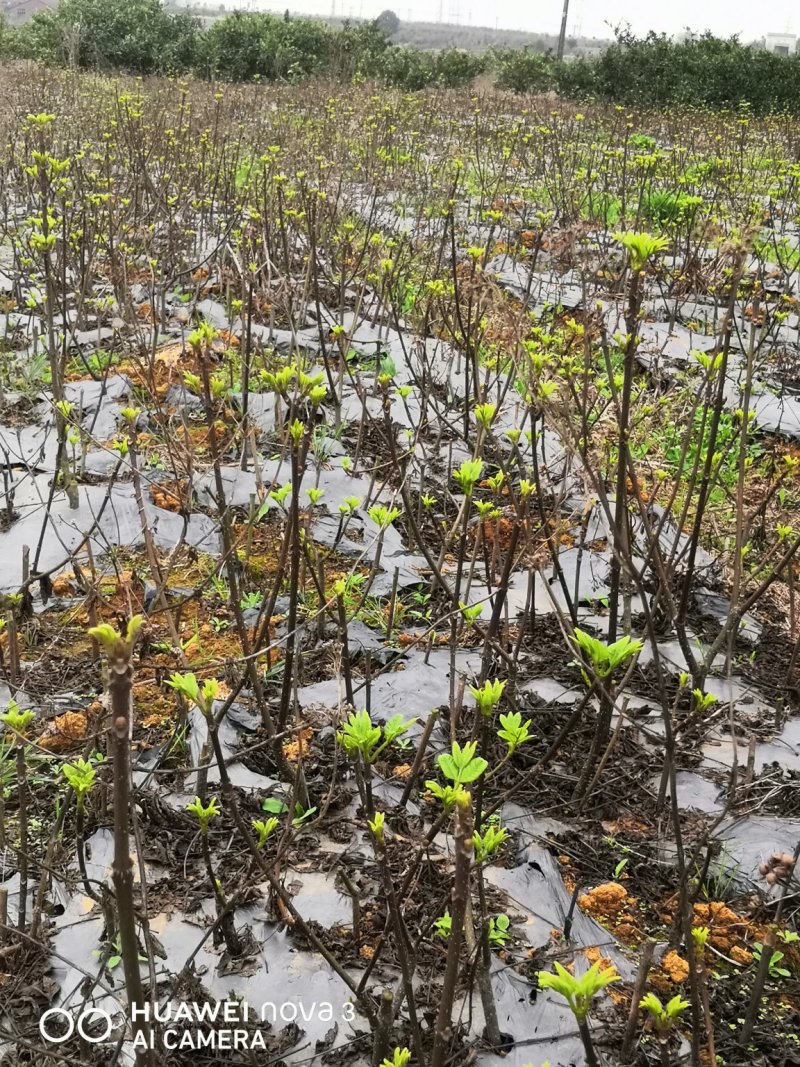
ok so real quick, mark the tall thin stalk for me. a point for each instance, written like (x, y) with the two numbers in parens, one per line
(458, 910)
(120, 688)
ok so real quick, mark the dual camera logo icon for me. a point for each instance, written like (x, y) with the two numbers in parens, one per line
(48, 1025)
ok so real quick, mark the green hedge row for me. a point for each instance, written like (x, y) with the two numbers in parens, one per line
(144, 37)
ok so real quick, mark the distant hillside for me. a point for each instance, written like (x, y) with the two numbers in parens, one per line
(479, 38)
(437, 35)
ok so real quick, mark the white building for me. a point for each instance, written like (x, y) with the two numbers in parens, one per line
(783, 44)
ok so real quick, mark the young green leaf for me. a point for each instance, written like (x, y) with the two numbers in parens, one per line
(488, 842)
(514, 731)
(488, 696)
(204, 813)
(578, 992)
(264, 829)
(461, 765)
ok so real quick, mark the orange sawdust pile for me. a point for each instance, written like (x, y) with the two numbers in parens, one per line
(613, 907)
(293, 750)
(64, 732)
(728, 929)
(625, 826)
(154, 707)
(567, 875)
(675, 966)
(672, 970)
(172, 495)
(64, 584)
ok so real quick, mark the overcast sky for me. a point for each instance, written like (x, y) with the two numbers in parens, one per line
(587, 17)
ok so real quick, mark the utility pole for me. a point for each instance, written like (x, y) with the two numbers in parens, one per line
(563, 35)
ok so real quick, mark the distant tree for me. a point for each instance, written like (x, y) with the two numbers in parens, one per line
(357, 50)
(140, 36)
(407, 68)
(388, 22)
(522, 70)
(70, 37)
(6, 38)
(39, 38)
(246, 45)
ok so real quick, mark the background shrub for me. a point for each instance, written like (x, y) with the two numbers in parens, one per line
(707, 71)
(523, 70)
(144, 37)
(140, 36)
